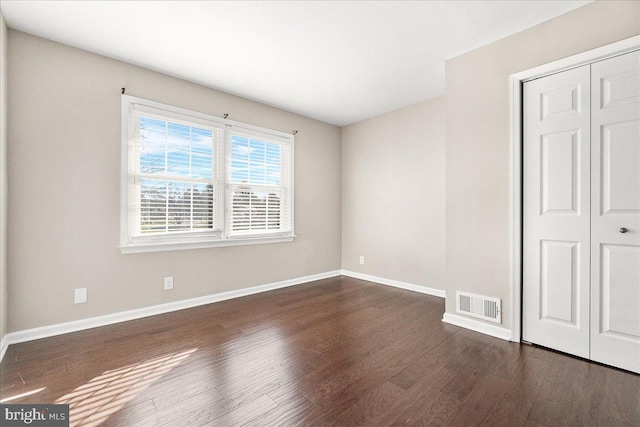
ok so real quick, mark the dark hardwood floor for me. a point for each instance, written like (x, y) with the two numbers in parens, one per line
(339, 351)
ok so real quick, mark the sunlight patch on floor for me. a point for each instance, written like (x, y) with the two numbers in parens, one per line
(92, 403)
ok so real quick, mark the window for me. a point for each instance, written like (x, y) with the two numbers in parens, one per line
(256, 187)
(191, 180)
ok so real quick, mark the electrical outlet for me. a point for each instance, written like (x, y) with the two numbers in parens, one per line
(361, 260)
(168, 283)
(80, 296)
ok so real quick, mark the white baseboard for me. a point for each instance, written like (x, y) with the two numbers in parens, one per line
(123, 316)
(4, 344)
(396, 284)
(478, 326)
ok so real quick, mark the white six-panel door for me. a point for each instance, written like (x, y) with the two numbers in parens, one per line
(581, 212)
(615, 207)
(556, 211)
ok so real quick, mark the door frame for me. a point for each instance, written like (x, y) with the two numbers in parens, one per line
(516, 120)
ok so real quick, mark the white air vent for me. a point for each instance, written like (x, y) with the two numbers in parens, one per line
(479, 306)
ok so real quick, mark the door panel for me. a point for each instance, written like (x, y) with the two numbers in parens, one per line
(556, 211)
(619, 297)
(615, 192)
(559, 282)
(560, 178)
(620, 163)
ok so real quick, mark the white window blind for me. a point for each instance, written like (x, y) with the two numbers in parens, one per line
(191, 177)
(258, 190)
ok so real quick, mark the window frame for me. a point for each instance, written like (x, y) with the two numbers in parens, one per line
(229, 183)
(220, 235)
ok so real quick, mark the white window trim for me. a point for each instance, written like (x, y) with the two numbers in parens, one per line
(176, 245)
(130, 245)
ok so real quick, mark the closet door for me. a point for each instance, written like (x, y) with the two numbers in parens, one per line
(556, 211)
(615, 212)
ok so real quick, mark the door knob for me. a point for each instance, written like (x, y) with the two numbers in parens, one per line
(624, 230)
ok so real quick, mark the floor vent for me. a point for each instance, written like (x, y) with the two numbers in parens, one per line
(479, 306)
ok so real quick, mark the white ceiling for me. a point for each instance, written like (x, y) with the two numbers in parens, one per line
(339, 62)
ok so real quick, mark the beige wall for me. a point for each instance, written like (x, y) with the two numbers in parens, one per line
(3, 177)
(393, 195)
(477, 126)
(64, 204)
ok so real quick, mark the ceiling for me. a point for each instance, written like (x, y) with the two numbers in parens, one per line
(339, 62)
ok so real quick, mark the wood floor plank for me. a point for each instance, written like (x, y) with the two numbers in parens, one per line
(423, 399)
(519, 395)
(246, 413)
(479, 403)
(293, 409)
(621, 395)
(339, 351)
(372, 405)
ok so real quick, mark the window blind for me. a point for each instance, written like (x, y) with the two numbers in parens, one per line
(259, 185)
(173, 175)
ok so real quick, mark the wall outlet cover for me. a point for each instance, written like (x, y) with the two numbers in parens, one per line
(80, 296)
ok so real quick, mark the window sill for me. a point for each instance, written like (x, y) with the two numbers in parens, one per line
(136, 248)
